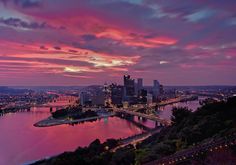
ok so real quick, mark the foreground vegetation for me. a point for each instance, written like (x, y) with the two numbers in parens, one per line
(73, 113)
(212, 120)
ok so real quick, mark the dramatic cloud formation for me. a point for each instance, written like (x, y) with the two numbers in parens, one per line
(78, 42)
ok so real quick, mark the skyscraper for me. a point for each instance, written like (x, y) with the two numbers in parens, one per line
(98, 97)
(156, 84)
(85, 98)
(142, 98)
(116, 94)
(140, 83)
(129, 86)
(156, 90)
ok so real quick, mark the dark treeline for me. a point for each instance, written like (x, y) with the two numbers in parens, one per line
(14, 110)
(73, 112)
(212, 120)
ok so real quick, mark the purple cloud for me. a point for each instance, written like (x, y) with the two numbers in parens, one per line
(176, 41)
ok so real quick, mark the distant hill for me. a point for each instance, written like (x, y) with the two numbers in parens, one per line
(46, 88)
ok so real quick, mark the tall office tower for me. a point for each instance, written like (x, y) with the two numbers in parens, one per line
(107, 93)
(84, 98)
(142, 99)
(116, 94)
(140, 83)
(129, 86)
(161, 89)
(98, 97)
(156, 84)
(156, 90)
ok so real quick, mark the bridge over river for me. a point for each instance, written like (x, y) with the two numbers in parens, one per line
(159, 121)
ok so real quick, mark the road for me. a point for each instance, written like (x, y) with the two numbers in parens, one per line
(136, 139)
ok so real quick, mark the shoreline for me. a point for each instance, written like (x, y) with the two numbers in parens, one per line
(123, 142)
(49, 122)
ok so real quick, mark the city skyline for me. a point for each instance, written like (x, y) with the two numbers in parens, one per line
(75, 42)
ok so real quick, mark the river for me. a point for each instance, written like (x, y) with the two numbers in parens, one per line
(21, 142)
(166, 111)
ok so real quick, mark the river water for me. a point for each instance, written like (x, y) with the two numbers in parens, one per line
(166, 111)
(21, 142)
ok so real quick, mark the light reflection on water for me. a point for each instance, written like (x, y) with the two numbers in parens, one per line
(21, 142)
(166, 111)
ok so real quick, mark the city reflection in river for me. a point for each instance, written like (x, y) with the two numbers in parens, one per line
(21, 142)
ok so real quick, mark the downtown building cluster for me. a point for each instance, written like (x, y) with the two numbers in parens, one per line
(130, 93)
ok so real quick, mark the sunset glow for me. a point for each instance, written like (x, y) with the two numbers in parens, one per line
(66, 42)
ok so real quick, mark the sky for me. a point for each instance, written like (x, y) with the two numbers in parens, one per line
(84, 42)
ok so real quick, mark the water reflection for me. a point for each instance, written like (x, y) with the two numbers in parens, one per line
(20, 141)
(146, 122)
(166, 111)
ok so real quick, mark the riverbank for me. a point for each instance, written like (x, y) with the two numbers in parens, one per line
(53, 122)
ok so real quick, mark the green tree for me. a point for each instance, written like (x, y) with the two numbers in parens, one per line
(178, 114)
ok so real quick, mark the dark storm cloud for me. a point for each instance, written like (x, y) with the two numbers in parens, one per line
(105, 45)
(72, 51)
(47, 60)
(57, 48)
(16, 22)
(88, 37)
(43, 47)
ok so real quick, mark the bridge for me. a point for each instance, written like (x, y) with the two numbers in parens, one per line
(176, 100)
(160, 121)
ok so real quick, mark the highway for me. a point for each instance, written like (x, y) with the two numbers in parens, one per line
(136, 139)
